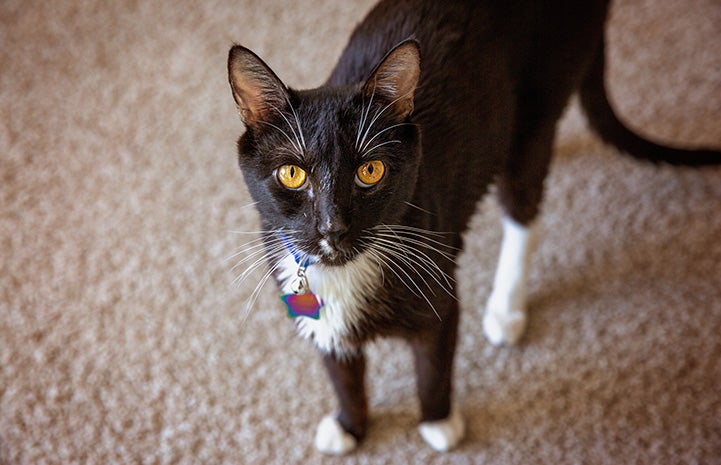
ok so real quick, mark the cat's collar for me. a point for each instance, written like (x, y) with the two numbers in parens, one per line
(303, 260)
(301, 301)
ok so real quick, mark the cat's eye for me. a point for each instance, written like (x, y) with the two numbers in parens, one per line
(370, 173)
(291, 176)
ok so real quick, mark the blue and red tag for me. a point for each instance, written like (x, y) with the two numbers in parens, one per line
(302, 305)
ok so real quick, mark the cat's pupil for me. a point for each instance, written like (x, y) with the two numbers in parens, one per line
(292, 172)
(370, 169)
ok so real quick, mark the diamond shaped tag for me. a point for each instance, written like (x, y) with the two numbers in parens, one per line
(302, 305)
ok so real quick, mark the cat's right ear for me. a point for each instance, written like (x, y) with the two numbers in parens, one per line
(256, 89)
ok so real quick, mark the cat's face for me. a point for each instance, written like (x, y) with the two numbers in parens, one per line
(327, 166)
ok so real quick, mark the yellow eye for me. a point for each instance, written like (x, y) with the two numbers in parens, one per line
(291, 176)
(370, 173)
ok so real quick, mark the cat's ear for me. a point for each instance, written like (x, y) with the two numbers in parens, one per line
(395, 79)
(256, 89)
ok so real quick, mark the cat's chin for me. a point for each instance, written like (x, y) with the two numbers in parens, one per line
(336, 260)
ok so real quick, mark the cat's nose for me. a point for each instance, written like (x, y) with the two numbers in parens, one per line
(333, 231)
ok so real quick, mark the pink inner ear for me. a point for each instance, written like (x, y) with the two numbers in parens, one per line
(396, 78)
(256, 89)
(248, 95)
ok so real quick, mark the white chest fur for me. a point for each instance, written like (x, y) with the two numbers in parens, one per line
(343, 291)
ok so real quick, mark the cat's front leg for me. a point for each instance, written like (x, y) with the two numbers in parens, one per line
(340, 433)
(505, 318)
(442, 425)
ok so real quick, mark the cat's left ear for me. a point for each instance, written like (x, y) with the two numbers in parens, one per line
(395, 79)
(256, 89)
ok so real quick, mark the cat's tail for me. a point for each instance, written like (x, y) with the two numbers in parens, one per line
(604, 121)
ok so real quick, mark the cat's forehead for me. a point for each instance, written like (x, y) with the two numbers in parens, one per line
(326, 107)
(328, 119)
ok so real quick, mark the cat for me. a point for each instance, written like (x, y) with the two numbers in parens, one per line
(365, 184)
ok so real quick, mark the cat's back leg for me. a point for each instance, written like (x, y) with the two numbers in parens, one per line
(545, 84)
(520, 190)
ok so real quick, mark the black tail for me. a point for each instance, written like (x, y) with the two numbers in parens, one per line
(605, 122)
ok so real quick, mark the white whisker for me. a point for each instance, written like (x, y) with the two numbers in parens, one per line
(398, 254)
(401, 227)
(262, 252)
(410, 240)
(362, 149)
(256, 292)
(418, 208)
(246, 248)
(367, 152)
(419, 261)
(297, 123)
(298, 145)
(364, 117)
(286, 135)
(251, 204)
(379, 113)
(387, 256)
(419, 233)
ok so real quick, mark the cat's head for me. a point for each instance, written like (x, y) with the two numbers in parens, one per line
(328, 165)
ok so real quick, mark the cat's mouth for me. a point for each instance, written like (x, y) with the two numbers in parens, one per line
(336, 258)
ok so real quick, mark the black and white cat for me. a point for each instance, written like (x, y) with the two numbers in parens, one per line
(365, 184)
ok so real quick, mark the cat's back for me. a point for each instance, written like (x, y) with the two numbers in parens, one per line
(438, 26)
(456, 34)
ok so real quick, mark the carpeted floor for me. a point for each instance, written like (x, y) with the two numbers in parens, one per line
(123, 340)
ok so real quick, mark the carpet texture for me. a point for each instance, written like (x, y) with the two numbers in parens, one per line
(123, 340)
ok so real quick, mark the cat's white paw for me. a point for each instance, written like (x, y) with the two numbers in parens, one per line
(503, 323)
(443, 435)
(331, 438)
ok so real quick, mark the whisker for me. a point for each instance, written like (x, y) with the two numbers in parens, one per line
(447, 251)
(448, 256)
(267, 246)
(297, 123)
(246, 249)
(286, 136)
(402, 227)
(250, 257)
(424, 261)
(416, 232)
(249, 233)
(386, 256)
(397, 254)
(300, 145)
(248, 271)
(364, 117)
(381, 132)
(254, 244)
(399, 243)
(366, 153)
(405, 240)
(250, 303)
(380, 112)
(251, 204)
(384, 253)
(418, 208)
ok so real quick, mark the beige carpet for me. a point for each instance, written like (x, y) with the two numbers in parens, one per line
(122, 340)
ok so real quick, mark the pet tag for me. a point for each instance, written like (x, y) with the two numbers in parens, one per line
(302, 302)
(303, 305)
